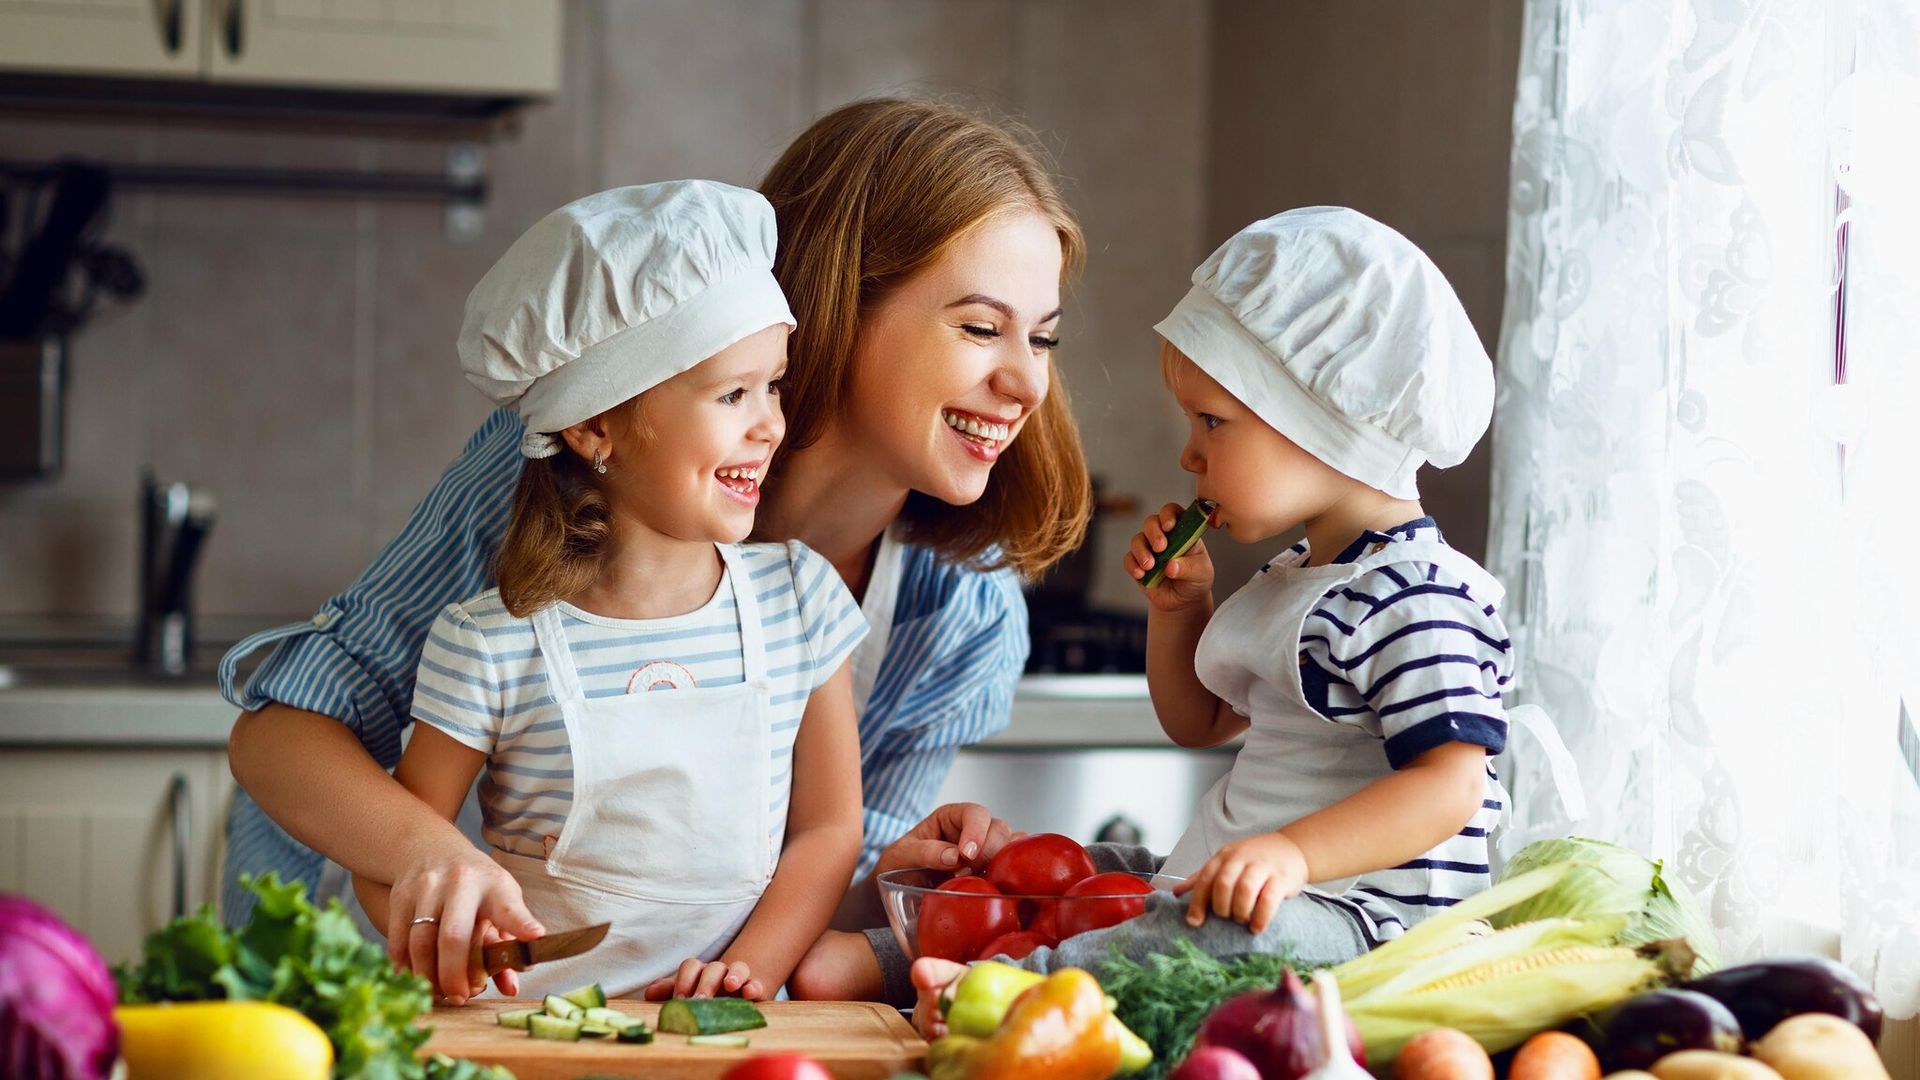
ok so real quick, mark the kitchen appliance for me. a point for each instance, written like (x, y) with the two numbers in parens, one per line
(32, 382)
(855, 1040)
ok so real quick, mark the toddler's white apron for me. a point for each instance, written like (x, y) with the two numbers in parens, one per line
(1295, 761)
(669, 837)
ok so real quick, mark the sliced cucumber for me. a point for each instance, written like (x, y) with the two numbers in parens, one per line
(595, 1031)
(608, 1017)
(561, 1008)
(724, 1042)
(710, 1016)
(1180, 540)
(554, 1028)
(587, 997)
(635, 1032)
(517, 1018)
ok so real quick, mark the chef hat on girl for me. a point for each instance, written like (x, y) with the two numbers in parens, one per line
(616, 293)
(1344, 337)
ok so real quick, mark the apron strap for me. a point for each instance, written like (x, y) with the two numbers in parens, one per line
(1560, 765)
(883, 593)
(563, 682)
(753, 633)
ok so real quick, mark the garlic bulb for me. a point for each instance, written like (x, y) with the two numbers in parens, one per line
(1333, 1025)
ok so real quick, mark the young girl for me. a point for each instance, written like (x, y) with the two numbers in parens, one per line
(663, 714)
(1320, 360)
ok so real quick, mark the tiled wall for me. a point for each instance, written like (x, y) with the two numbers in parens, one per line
(296, 356)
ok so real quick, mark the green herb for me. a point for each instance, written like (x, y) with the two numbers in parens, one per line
(1164, 998)
(309, 959)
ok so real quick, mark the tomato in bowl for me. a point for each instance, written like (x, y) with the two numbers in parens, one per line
(966, 917)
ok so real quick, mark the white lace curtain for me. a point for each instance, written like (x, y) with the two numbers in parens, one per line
(1707, 452)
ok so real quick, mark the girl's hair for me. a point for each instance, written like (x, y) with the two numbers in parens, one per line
(561, 523)
(868, 196)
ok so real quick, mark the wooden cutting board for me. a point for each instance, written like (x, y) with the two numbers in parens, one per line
(855, 1040)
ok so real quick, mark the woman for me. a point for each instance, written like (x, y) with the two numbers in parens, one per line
(929, 456)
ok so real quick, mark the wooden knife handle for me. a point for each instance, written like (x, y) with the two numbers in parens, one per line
(502, 955)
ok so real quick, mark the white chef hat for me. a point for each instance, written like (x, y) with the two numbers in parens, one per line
(1343, 336)
(616, 293)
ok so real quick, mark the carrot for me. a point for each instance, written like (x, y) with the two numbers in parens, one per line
(1442, 1054)
(1554, 1055)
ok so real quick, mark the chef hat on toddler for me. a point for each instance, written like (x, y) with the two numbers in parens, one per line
(616, 293)
(1345, 338)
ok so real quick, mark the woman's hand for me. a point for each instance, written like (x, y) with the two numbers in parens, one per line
(704, 980)
(1189, 578)
(953, 835)
(441, 906)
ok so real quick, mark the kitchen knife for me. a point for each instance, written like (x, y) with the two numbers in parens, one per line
(521, 955)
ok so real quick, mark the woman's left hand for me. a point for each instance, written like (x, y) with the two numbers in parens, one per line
(704, 980)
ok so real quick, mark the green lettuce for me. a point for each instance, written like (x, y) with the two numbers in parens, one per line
(310, 959)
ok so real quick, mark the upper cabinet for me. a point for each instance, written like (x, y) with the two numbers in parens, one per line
(482, 48)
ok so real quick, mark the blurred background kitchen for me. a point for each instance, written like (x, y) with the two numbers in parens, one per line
(300, 194)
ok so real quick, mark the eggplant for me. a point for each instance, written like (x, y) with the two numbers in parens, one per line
(1763, 993)
(1644, 1029)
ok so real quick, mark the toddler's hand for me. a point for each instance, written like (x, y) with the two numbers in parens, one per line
(698, 980)
(1188, 579)
(1246, 881)
(931, 977)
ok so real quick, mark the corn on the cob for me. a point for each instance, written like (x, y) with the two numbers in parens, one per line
(1442, 931)
(1500, 1005)
(1514, 943)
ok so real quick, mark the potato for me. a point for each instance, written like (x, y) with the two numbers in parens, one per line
(1711, 1065)
(1815, 1046)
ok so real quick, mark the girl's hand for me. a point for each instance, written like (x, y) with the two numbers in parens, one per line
(704, 980)
(441, 906)
(1189, 578)
(932, 975)
(1246, 881)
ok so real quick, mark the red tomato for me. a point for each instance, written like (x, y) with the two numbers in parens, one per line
(954, 927)
(1045, 922)
(778, 1067)
(1080, 916)
(1041, 865)
(1014, 945)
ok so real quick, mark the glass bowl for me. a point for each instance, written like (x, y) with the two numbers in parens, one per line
(929, 921)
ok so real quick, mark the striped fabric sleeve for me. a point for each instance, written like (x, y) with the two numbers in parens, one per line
(964, 660)
(829, 617)
(1408, 648)
(458, 689)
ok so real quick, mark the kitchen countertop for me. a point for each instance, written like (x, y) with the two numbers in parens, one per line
(1049, 711)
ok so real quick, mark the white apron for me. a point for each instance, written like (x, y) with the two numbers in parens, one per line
(669, 837)
(1294, 760)
(883, 592)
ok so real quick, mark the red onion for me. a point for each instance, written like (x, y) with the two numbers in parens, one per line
(56, 999)
(1277, 1030)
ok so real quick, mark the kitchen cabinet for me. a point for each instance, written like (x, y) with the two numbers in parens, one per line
(486, 48)
(113, 840)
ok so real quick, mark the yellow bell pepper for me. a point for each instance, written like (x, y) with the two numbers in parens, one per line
(221, 1040)
(1060, 1029)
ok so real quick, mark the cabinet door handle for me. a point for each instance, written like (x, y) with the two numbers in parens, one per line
(233, 27)
(181, 812)
(170, 24)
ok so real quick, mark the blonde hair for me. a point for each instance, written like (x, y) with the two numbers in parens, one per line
(561, 522)
(868, 196)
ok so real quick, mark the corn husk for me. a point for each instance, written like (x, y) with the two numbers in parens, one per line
(1608, 881)
(1457, 925)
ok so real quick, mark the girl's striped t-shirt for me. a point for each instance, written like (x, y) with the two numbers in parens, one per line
(483, 682)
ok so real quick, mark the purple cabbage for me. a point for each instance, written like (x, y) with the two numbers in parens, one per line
(56, 999)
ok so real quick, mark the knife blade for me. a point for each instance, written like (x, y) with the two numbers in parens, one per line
(521, 955)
